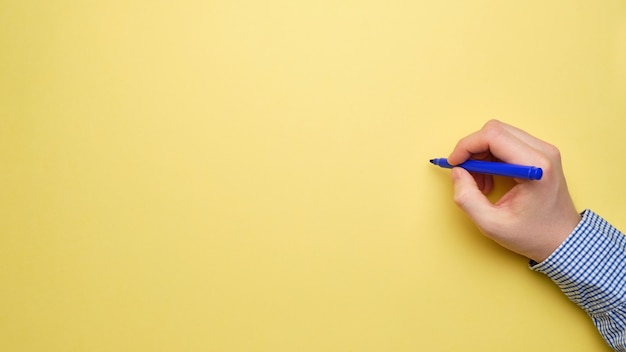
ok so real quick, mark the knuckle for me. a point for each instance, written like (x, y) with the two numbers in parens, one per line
(553, 152)
(493, 129)
(461, 198)
(493, 123)
(550, 158)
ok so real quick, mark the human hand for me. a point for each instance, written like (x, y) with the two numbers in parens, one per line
(534, 217)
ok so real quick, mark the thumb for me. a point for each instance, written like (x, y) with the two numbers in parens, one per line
(469, 197)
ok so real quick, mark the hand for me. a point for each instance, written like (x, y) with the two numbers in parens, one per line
(534, 217)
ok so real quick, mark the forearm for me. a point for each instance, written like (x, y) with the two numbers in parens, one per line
(590, 268)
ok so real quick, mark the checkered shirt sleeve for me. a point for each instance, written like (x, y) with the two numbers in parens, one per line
(590, 268)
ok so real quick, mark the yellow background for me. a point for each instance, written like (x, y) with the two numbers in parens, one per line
(253, 175)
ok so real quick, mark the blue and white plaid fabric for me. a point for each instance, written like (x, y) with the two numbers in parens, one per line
(590, 268)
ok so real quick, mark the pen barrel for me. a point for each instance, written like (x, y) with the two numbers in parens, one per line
(503, 169)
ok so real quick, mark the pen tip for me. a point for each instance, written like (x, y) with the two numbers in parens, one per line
(432, 161)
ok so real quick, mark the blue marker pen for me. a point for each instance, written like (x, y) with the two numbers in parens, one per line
(495, 168)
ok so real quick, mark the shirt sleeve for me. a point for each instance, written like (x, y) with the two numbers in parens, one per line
(590, 268)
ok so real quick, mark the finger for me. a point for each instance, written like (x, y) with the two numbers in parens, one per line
(529, 139)
(484, 182)
(469, 197)
(497, 140)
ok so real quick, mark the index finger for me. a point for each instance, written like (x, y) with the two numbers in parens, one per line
(496, 140)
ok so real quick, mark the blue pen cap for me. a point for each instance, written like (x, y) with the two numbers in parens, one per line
(535, 173)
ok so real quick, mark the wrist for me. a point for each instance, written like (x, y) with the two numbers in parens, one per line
(559, 235)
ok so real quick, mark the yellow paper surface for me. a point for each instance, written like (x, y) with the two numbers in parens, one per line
(253, 175)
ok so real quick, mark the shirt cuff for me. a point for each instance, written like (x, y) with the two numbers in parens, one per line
(590, 265)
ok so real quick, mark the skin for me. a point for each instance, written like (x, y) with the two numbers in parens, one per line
(534, 217)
